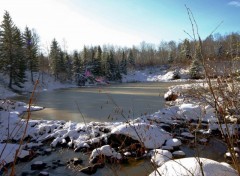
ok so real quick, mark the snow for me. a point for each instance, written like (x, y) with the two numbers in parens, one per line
(159, 156)
(191, 166)
(190, 111)
(106, 150)
(174, 142)
(150, 135)
(46, 83)
(158, 74)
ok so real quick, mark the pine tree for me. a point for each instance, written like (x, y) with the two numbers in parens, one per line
(31, 51)
(11, 58)
(55, 57)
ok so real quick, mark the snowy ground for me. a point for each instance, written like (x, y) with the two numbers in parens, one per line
(46, 83)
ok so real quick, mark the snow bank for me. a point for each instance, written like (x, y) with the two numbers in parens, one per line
(157, 74)
(191, 166)
(150, 135)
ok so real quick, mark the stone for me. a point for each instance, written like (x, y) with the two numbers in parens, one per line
(43, 173)
(38, 165)
(77, 161)
(178, 154)
(89, 170)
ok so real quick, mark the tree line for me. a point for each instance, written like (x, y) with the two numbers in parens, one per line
(20, 52)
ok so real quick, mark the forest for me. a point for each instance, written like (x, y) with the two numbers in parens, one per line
(20, 52)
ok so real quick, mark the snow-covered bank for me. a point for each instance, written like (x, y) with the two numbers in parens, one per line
(158, 74)
(46, 83)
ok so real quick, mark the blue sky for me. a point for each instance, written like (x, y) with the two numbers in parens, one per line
(120, 22)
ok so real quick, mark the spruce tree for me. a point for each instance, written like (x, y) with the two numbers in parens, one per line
(19, 60)
(11, 58)
(55, 57)
(131, 59)
(186, 50)
(31, 51)
(69, 66)
(123, 64)
(76, 66)
(110, 67)
(96, 70)
(84, 57)
(196, 66)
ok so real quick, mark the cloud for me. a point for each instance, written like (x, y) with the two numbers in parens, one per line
(234, 3)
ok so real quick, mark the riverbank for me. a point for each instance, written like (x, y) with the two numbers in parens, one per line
(158, 136)
(47, 82)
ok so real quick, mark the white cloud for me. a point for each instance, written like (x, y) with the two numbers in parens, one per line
(234, 3)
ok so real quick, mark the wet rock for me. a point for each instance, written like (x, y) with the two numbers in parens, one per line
(228, 156)
(43, 174)
(187, 135)
(170, 96)
(38, 165)
(89, 170)
(203, 141)
(104, 130)
(47, 151)
(24, 174)
(174, 142)
(77, 161)
(116, 140)
(166, 128)
(178, 154)
(169, 148)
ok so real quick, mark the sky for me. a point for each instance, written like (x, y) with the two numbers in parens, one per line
(75, 23)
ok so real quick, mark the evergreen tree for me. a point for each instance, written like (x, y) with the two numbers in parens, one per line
(19, 60)
(76, 65)
(186, 50)
(123, 64)
(196, 66)
(62, 66)
(69, 66)
(31, 51)
(84, 57)
(118, 75)
(55, 56)
(110, 67)
(96, 70)
(11, 58)
(131, 59)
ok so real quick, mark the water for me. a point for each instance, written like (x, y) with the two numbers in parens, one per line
(100, 103)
